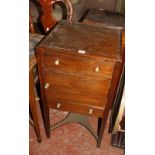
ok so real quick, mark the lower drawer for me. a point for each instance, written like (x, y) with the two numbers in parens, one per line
(67, 105)
(85, 90)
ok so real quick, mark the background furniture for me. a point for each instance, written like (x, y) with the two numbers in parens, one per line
(117, 122)
(118, 131)
(79, 65)
(110, 5)
(78, 10)
(31, 25)
(35, 9)
(35, 13)
(33, 79)
(47, 6)
(58, 11)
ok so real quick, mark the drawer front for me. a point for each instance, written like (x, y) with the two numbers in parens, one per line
(77, 64)
(66, 105)
(86, 90)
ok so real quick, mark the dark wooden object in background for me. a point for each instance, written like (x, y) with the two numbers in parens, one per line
(33, 79)
(47, 18)
(102, 4)
(117, 119)
(78, 67)
(104, 17)
(31, 25)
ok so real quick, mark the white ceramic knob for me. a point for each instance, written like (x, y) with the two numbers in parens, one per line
(37, 99)
(58, 105)
(46, 85)
(90, 111)
(97, 69)
(57, 62)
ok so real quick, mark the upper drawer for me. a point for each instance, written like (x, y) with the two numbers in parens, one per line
(77, 64)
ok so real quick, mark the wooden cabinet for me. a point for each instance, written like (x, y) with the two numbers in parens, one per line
(79, 65)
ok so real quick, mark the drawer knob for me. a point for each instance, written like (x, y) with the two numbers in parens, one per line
(90, 111)
(37, 99)
(46, 85)
(58, 105)
(97, 69)
(57, 62)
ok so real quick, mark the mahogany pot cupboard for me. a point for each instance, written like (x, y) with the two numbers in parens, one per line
(79, 67)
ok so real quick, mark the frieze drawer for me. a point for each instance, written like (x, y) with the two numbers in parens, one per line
(77, 65)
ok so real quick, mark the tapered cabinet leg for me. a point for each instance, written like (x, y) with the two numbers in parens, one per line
(46, 120)
(35, 120)
(45, 108)
(101, 126)
(33, 106)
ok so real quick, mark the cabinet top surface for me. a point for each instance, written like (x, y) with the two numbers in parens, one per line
(93, 39)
